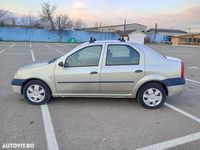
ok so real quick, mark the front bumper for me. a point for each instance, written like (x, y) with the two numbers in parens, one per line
(17, 85)
(17, 89)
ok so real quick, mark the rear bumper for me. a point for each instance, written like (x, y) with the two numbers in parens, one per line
(174, 85)
(174, 81)
(175, 90)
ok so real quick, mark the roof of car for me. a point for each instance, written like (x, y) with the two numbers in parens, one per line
(108, 41)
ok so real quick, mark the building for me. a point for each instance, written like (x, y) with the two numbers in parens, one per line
(189, 39)
(162, 35)
(133, 35)
(131, 32)
(115, 28)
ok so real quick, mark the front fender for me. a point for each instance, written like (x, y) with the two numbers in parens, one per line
(48, 80)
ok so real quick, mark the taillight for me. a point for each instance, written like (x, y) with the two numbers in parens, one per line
(182, 70)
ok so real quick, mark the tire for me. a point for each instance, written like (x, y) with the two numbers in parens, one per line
(36, 92)
(151, 95)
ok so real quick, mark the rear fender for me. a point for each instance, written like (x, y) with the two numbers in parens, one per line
(146, 79)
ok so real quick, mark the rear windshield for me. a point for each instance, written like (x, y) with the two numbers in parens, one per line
(149, 49)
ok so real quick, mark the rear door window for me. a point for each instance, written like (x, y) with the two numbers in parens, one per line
(121, 55)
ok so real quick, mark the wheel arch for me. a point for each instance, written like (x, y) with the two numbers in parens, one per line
(153, 81)
(28, 80)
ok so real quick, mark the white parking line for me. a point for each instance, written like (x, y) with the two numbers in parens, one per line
(30, 45)
(192, 81)
(183, 112)
(49, 130)
(2, 51)
(63, 45)
(173, 143)
(193, 67)
(59, 52)
(48, 126)
(32, 54)
(12, 45)
(177, 141)
(47, 45)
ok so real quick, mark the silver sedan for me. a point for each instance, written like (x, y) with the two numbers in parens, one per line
(113, 69)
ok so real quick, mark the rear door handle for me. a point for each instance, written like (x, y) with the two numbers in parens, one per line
(94, 72)
(138, 71)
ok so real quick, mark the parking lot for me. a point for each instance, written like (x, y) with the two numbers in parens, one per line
(97, 123)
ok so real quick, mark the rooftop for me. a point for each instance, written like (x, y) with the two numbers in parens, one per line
(188, 35)
(167, 30)
(116, 25)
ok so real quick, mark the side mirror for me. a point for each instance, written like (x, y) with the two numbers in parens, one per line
(61, 64)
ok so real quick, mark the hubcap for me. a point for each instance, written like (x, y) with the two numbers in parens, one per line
(152, 97)
(35, 93)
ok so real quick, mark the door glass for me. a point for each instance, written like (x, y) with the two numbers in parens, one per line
(121, 55)
(88, 56)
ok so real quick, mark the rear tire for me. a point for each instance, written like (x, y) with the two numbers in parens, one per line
(36, 92)
(151, 95)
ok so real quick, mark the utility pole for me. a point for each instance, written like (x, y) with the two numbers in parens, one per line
(156, 27)
(189, 29)
(124, 25)
(59, 29)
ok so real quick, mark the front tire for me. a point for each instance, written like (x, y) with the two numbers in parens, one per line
(151, 95)
(36, 92)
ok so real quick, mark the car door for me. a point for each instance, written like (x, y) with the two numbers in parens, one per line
(80, 74)
(122, 67)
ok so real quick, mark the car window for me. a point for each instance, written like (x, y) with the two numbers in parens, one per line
(88, 56)
(121, 55)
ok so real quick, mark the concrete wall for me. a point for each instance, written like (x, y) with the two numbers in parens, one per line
(42, 35)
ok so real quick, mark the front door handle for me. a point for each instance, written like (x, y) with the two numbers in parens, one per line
(94, 72)
(138, 71)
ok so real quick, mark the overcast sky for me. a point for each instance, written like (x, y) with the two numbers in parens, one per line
(177, 14)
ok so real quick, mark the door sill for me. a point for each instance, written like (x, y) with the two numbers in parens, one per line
(96, 95)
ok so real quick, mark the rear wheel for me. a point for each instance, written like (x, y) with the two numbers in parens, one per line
(36, 92)
(151, 95)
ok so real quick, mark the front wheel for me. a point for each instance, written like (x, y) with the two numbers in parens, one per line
(151, 95)
(36, 92)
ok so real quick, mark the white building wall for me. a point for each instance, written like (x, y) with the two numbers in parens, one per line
(137, 37)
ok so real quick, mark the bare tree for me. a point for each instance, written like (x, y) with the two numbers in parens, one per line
(30, 19)
(3, 13)
(96, 24)
(13, 21)
(63, 22)
(78, 24)
(47, 14)
(37, 24)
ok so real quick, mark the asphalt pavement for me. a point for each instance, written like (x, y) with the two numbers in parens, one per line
(97, 123)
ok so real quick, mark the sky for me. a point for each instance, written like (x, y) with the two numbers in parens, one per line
(176, 14)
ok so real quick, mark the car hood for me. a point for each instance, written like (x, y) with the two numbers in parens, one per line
(34, 64)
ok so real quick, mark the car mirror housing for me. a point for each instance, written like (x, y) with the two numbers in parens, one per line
(61, 64)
